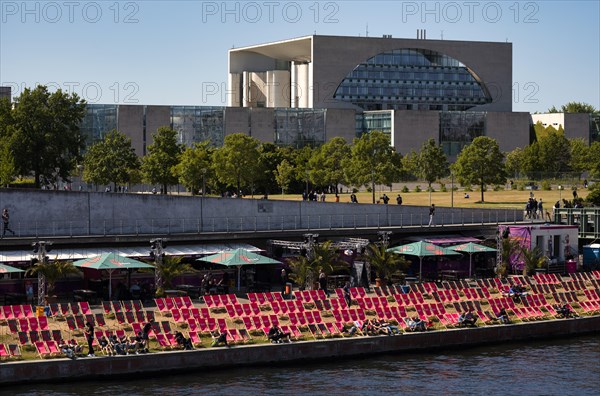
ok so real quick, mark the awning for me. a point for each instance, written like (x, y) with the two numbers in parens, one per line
(20, 256)
(445, 239)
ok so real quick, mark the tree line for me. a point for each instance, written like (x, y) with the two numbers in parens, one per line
(40, 137)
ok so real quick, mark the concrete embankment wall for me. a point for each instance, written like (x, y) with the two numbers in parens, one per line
(239, 356)
(64, 213)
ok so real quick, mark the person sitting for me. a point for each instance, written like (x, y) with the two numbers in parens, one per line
(276, 335)
(469, 319)
(218, 339)
(66, 348)
(183, 342)
(138, 344)
(390, 329)
(77, 349)
(467, 195)
(565, 311)
(118, 347)
(106, 346)
(356, 327)
(502, 316)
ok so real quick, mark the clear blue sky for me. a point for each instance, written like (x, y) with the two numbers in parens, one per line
(168, 52)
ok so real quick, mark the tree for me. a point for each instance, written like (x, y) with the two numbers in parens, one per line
(195, 166)
(532, 258)
(158, 166)
(53, 271)
(481, 163)
(7, 163)
(431, 163)
(385, 263)
(515, 162)
(574, 107)
(46, 138)
(112, 160)
(323, 256)
(373, 160)
(270, 156)
(236, 163)
(554, 153)
(284, 175)
(171, 268)
(326, 164)
(580, 155)
(593, 196)
(594, 157)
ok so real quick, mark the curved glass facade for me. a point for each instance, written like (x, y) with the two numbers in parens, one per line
(412, 79)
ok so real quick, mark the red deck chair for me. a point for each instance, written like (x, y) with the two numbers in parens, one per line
(203, 326)
(212, 324)
(23, 338)
(15, 351)
(195, 312)
(4, 354)
(248, 323)
(261, 298)
(116, 305)
(176, 315)
(166, 326)
(84, 306)
(127, 306)
(57, 335)
(257, 322)
(178, 302)
(137, 305)
(33, 324)
(120, 316)
(42, 349)
(163, 341)
(28, 311)
(160, 305)
(75, 308)
(209, 301)
(23, 324)
(53, 348)
(251, 297)
(222, 324)
(107, 307)
(46, 335)
(195, 337)
(17, 311)
(185, 314)
(7, 312)
(230, 311)
(139, 316)
(243, 309)
(187, 301)
(192, 324)
(80, 321)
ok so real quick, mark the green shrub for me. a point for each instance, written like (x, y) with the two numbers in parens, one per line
(546, 185)
(405, 189)
(498, 187)
(443, 187)
(468, 188)
(430, 189)
(520, 186)
(418, 189)
(369, 189)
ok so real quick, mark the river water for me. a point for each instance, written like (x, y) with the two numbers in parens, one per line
(557, 367)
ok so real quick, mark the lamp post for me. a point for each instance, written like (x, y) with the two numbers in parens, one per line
(157, 250)
(560, 188)
(41, 248)
(451, 189)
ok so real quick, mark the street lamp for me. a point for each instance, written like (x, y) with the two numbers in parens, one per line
(560, 188)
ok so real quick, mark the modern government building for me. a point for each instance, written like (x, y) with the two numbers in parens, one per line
(308, 90)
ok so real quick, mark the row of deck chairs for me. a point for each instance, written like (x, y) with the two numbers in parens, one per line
(10, 351)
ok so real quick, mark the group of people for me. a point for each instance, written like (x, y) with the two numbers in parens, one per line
(211, 285)
(467, 319)
(416, 324)
(565, 311)
(534, 209)
(314, 196)
(277, 336)
(114, 345)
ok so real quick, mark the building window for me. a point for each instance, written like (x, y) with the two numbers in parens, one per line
(299, 127)
(459, 128)
(389, 81)
(195, 124)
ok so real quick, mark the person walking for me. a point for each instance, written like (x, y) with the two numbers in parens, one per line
(431, 214)
(89, 336)
(6, 222)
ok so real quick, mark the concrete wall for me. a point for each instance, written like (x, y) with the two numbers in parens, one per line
(340, 123)
(156, 117)
(56, 213)
(243, 356)
(332, 61)
(511, 130)
(130, 121)
(413, 127)
(577, 125)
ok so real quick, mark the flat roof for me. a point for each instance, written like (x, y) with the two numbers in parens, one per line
(297, 49)
(19, 256)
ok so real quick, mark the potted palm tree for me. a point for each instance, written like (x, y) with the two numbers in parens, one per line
(51, 271)
(305, 269)
(534, 260)
(171, 268)
(385, 263)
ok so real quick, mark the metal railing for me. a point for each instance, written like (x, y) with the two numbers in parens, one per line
(587, 219)
(73, 228)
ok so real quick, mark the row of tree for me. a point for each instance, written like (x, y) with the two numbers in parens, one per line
(40, 136)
